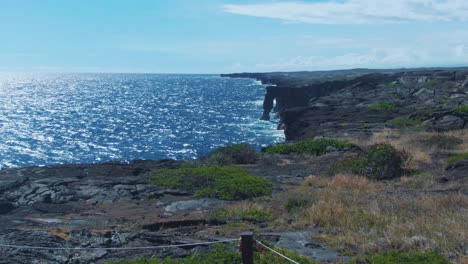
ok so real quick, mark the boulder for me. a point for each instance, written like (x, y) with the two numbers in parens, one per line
(193, 205)
(448, 122)
(424, 94)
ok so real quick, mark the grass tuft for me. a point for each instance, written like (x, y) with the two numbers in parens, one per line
(461, 109)
(457, 158)
(403, 122)
(411, 257)
(312, 147)
(441, 141)
(232, 154)
(244, 211)
(225, 254)
(383, 106)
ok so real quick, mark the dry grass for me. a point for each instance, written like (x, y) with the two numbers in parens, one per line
(420, 181)
(342, 181)
(61, 232)
(462, 259)
(244, 211)
(379, 218)
(359, 216)
(463, 134)
(412, 142)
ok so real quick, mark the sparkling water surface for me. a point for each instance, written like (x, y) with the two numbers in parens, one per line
(86, 118)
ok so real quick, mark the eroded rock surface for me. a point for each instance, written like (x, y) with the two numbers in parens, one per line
(338, 103)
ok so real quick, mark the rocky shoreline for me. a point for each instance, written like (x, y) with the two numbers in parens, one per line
(113, 205)
(337, 103)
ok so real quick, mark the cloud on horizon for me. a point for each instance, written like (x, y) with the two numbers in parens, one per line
(425, 50)
(357, 11)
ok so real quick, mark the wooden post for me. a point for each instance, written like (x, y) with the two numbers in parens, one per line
(247, 247)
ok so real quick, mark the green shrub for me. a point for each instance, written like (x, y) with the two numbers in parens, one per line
(461, 109)
(383, 106)
(381, 161)
(441, 141)
(223, 182)
(312, 146)
(248, 214)
(394, 257)
(392, 85)
(233, 154)
(457, 158)
(295, 204)
(225, 254)
(403, 122)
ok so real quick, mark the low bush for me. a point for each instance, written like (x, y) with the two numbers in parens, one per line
(403, 122)
(222, 182)
(382, 106)
(381, 161)
(441, 141)
(404, 258)
(225, 254)
(244, 212)
(392, 85)
(233, 154)
(311, 146)
(461, 109)
(295, 204)
(457, 158)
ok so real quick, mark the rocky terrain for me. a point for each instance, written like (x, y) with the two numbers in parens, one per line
(341, 103)
(325, 216)
(112, 205)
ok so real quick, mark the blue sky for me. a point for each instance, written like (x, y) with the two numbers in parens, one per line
(216, 36)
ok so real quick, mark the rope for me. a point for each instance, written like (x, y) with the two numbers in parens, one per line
(119, 248)
(277, 253)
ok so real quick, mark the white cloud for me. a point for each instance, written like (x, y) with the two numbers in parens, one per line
(436, 49)
(357, 11)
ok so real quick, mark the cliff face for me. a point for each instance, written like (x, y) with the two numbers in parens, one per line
(359, 102)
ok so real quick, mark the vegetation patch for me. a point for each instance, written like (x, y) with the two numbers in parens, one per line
(233, 154)
(403, 122)
(295, 204)
(461, 109)
(457, 158)
(383, 106)
(381, 161)
(441, 141)
(225, 254)
(392, 85)
(244, 212)
(357, 222)
(404, 258)
(312, 146)
(222, 182)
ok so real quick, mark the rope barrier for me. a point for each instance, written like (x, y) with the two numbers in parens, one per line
(277, 253)
(119, 248)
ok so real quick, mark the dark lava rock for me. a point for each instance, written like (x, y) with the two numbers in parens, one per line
(5, 207)
(337, 103)
(448, 122)
(55, 208)
(458, 172)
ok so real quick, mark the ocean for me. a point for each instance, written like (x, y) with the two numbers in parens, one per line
(48, 119)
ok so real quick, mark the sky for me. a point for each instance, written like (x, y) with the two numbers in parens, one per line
(221, 36)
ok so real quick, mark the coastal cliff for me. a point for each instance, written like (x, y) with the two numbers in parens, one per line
(99, 213)
(365, 101)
